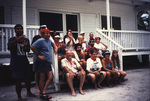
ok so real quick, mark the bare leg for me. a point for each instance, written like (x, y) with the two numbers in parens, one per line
(18, 89)
(70, 83)
(82, 79)
(108, 75)
(93, 79)
(102, 77)
(41, 83)
(37, 82)
(28, 87)
(50, 76)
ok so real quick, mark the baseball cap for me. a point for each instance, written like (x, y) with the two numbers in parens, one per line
(107, 52)
(43, 26)
(57, 36)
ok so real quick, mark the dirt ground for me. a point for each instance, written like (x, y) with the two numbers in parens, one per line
(136, 88)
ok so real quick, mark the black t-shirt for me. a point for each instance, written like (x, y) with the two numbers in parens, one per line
(35, 38)
(19, 59)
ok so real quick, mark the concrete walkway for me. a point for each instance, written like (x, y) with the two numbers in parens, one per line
(137, 88)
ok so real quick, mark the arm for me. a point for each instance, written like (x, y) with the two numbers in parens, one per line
(13, 43)
(36, 52)
(55, 48)
(112, 65)
(104, 46)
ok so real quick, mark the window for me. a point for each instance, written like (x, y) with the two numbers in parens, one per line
(1, 15)
(115, 22)
(71, 21)
(52, 20)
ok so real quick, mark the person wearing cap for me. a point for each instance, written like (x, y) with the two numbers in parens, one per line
(61, 51)
(90, 48)
(72, 70)
(108, 67)
(100, 46)
(94, 70)
(19, 64)
(79, 55)
(43, 50)
(36, 75)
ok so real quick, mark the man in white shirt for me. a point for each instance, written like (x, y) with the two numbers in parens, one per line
(100, 46)
(72, 69)
(94, 69)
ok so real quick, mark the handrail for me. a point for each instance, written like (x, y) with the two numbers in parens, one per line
(99, 31)
(138, 31)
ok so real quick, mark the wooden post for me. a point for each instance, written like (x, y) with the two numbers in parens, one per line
(24, 16)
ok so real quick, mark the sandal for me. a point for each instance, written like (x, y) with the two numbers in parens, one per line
(45, 96)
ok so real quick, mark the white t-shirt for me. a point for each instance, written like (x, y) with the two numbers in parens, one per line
(93, 65)
(101, 46)
(73, 67)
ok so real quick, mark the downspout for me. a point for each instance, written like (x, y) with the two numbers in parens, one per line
(24, 16)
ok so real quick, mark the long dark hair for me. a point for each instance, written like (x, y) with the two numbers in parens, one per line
(115, 59)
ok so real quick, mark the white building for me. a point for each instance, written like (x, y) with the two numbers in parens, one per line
(120, 32)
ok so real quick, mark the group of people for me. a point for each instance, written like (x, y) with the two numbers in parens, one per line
(84, 60)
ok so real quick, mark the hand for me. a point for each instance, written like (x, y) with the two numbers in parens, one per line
(21, 37)
(41, 57)
(72, 75)
(97, 73)
(55, 51)
(25, 43)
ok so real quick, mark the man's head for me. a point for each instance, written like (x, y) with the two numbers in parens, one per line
(97, 39)
(77, 47)
(56, 38)
(46, 33)
(69, 54)
(18, 30)
(94, 54)
(91, 35)
(91, 42)
(80, 38)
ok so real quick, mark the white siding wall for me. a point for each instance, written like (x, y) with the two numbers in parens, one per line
(88, 11)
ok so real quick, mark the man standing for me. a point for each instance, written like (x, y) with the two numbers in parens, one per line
(36, 76)
(72, 69)
(19, 64)
(43, 49)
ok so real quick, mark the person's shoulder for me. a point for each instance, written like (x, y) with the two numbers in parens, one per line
(89, 59)
(64, 59)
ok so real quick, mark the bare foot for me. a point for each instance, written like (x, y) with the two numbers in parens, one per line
(95, 86)
(81, 92)
(100, 86)
(73, 93)
(110, 86)
(37, 91)
(30, 95)
(19, 99)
